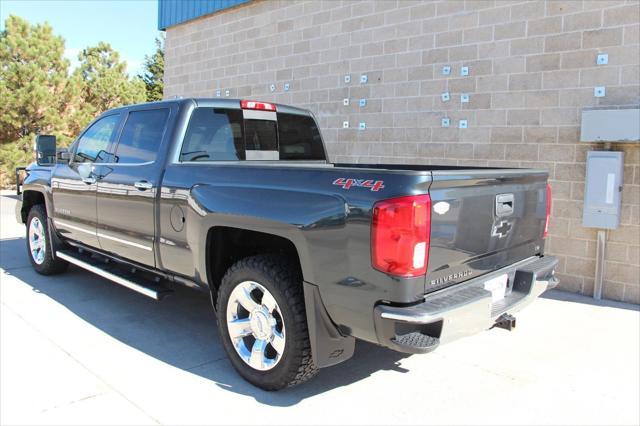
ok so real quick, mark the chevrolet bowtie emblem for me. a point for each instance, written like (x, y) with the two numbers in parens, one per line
(501, 229)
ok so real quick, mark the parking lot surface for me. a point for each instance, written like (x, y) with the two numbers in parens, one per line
(77, 349)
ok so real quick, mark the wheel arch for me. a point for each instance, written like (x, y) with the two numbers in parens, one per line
(226, 245)
(31, 198)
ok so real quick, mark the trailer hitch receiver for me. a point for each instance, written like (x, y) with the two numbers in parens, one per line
(506, 321)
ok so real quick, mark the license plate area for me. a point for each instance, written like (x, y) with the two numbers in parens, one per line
(497, 286)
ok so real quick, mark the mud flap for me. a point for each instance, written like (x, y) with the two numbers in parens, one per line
(56, 242)
(328, 346)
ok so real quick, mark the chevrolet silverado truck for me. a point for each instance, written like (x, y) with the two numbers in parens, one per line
(299, 256)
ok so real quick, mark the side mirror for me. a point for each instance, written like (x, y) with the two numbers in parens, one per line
(45, 150)
(63, 156)
(106, 157)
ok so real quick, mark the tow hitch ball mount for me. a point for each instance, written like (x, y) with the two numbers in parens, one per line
(506, 321)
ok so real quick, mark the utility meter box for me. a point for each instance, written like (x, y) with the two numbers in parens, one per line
(603, 189)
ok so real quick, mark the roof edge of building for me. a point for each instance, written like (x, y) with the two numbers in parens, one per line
(172, 13)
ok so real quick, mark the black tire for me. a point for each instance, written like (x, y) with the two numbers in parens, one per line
(49, 265)
(278, 276)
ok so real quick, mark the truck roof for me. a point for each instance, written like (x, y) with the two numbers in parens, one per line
(219, 103)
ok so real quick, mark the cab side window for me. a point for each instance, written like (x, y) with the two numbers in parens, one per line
(213, 134)
(94, 142)
(141, 136)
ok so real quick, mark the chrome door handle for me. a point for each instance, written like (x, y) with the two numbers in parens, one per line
(89, 180)
(143, 185)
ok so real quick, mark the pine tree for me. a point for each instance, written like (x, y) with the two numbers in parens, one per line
(38, 96)
(153, 74)
(33, 80)
(104, 80)
(34, 91)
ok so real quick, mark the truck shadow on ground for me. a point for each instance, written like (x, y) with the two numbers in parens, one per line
(180, 330)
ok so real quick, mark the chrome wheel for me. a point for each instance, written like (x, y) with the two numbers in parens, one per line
(255, 325)
(37, 241)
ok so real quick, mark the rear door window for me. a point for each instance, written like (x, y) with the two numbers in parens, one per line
(141, 136)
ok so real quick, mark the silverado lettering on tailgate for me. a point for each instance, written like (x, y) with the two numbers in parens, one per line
(451, 277)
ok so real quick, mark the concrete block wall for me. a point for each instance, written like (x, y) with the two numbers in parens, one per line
(532, 68)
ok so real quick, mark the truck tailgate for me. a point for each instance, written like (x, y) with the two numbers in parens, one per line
(483, 220)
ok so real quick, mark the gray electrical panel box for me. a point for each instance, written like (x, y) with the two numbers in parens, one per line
(602, 189)
(610, 124)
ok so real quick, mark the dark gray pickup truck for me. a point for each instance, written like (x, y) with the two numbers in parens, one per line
(299, 256)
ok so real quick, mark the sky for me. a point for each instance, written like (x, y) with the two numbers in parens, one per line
(130, 26)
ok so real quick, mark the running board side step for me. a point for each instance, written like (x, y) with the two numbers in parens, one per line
(108, 271)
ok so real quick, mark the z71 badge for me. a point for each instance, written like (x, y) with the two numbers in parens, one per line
(347, 183)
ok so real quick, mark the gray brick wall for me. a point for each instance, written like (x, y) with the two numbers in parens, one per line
(532, 70)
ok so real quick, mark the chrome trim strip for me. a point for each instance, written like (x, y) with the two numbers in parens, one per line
(120, 240)
(252, 154)
(146, 163)
(261, 163)
(112, 277)
(412, 319)
(252, 114)
(101, 235)
(77, 228)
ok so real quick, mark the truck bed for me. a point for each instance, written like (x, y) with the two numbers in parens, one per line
(465, 241)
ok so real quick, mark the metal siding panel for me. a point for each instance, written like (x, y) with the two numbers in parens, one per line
(194, 10)
(174, 12)
(184, 11)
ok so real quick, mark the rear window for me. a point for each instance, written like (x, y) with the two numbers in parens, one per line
(217, 134)
(260, 135)
(299, 138)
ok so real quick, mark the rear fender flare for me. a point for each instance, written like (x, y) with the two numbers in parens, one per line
(280, 212)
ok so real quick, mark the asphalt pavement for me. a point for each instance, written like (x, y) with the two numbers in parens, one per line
(78, 349)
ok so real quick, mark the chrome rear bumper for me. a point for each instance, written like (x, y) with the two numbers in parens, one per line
(464, 309)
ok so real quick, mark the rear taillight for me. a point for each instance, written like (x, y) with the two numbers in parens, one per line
(546, 221)
(264, 106)
(400, 235)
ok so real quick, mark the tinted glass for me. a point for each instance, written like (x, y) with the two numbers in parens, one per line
(213, 134)
(260, 135)
(141, 136)
(96, 139)
(299, 138)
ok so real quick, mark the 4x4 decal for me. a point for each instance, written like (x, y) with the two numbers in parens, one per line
(347, 183)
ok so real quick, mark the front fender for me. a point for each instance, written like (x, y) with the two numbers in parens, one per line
(38, 180)
(291, 214)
